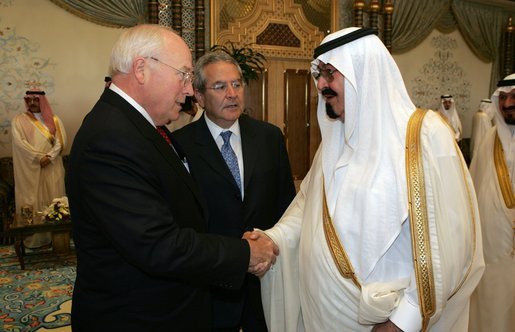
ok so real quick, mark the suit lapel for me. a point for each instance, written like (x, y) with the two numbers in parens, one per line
(150, 133)
(250, 148)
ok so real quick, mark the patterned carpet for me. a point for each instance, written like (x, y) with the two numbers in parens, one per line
(39, 297)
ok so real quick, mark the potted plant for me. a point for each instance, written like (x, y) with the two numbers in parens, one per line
(251, 62)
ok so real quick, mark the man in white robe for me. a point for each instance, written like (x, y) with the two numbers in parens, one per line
(482, 120)
(190, 112)
(38, 141)
(493, 171)
(346, 260)
(448, 111)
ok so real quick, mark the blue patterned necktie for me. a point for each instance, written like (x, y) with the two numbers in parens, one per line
(230, 157)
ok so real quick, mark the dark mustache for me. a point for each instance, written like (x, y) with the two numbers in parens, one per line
(509, 108)
(328, 92)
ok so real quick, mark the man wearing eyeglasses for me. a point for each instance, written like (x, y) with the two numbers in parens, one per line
(144, 259)
(384, 233)
(242, 167)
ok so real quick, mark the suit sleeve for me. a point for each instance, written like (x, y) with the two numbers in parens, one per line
(126, 191)
(286, 185)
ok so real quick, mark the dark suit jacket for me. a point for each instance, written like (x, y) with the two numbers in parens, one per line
(268, 190)
(143, 260)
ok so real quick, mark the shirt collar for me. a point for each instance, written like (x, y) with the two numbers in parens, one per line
(131, 101)
(216, 130)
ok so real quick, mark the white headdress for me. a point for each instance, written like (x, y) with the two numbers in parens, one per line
(363, 158)
(506, 132)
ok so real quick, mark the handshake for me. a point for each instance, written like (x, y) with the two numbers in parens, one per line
(263, 252)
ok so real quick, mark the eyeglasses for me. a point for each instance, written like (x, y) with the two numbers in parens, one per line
(186, 77)
(223, 87)
(326, 73)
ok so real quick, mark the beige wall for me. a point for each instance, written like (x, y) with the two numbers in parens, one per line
(443, 64)
(77, 51)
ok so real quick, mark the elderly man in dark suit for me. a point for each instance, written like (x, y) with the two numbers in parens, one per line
(144, 260)
(242, 167)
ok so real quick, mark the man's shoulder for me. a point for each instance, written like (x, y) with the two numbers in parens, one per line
(188, 129)
(259, 125)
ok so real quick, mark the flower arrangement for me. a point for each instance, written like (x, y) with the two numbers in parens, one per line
(58, 210)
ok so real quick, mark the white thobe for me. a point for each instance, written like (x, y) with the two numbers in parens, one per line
(493, 302)
(481, 122)
(305, 291)
(36, 185)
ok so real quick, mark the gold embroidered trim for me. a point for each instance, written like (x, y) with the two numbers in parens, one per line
(503, 175)
(340, 257)
(44, 130)
(417, 207)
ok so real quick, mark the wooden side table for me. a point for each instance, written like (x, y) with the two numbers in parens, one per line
(60, 235)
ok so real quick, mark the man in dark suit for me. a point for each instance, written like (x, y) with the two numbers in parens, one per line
(144, 260)
(252, 190)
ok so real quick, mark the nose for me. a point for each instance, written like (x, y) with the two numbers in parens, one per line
(510, 100)
(322, 83)
(188, 89)
(231, 92)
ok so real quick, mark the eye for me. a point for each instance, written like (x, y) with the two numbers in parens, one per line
(220, 87)
(236, 84)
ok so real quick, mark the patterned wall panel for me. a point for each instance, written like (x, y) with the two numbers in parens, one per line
(181, 16)
(279, 35)
(165, 13)
(259, 19)
(442, 74)
(188, 22)
(22, 67)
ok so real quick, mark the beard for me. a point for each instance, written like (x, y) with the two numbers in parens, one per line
(330, 112)
(328, 108)
(508, 113)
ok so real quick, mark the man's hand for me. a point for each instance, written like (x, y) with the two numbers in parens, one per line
(387, 326)
(44, 161)
(263, 252)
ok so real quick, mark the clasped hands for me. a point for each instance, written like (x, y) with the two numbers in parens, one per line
(263, 252)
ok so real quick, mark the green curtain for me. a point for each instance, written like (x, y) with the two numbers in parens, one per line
(482, 28)
(481, 23)
(413, 21)
(112, 13)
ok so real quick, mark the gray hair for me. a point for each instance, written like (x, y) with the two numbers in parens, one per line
(199, 83)
(142, 40)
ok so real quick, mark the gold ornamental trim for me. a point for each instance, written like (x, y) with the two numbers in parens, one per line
(503, 175)
(340, 257)
(417, 208)
(42, 128)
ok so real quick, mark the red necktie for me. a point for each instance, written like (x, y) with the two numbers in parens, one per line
(163, 133)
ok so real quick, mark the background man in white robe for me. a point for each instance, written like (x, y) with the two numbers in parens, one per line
(450, 114)
(482, 120)
(190, 112)
(346, 261)
(38, 141)
(493, 171)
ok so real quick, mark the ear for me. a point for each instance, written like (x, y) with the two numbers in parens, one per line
(200, 98)
(138, 67)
